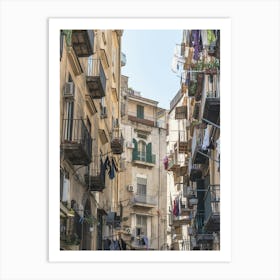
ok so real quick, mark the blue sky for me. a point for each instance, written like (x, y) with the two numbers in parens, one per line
(149, 56)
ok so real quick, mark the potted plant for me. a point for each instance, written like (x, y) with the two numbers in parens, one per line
(192, 88)
(72, 242)
(212, 67)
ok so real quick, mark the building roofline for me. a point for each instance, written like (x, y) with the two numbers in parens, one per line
(144, 99)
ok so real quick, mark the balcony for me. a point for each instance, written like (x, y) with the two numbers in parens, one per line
(143, 158)
(95, 179)
(117, 145)
(181, 112)
(199, 222)
(181, 146)
(196, 111)
(96, 80)
(144, 200)
(212, 208)
(204, 241)
(211, 100)
(76, 142)
(199, 149)
(211, 110)
(188, 191)
(83, 42)
(200, 80)
(195, 173)
(173, 165)
(144, 121)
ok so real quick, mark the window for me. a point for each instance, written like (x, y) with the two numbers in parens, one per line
(142, 150)
(140, 112)
(69, 112)
(90, 66)
(64, 186)
(142, 187)
(141, 225)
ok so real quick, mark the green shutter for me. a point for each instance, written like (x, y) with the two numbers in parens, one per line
(149, 153)
(140, 112)
(135, 150)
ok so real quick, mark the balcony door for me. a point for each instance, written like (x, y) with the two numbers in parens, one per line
(142, 150)
(142, 189)
(68, 126)
(68, 116)
(141, 225)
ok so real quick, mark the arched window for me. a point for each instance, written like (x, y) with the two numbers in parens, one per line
(142, 151)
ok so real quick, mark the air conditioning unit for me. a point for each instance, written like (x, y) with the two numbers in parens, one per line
(130, 188)
(103, 114)
(130, 145)
(69, 89)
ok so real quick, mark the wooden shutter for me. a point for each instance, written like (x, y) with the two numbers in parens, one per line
(135, 150)
(140, 112)
(149, 153)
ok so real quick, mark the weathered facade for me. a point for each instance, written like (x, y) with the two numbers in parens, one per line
(200, 110)
(90, 138)
(143, 180)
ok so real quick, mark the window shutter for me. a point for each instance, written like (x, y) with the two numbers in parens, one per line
(140, 112)
(135, 150)
(149, 153)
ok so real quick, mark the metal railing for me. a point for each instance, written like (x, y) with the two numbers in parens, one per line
(74, 131)
(212, 201)
(143, 156)
(95, 69)
(144, 199)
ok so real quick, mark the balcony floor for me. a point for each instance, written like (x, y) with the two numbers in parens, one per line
(75, 153)
(212, 110)
(213, 223)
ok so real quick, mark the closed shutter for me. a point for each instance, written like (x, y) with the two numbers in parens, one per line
(135, 150)
(149, 153)
(140, 112)
(142, 186)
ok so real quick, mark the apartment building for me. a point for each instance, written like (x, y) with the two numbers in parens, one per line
(90, 139)
(143, 180)
(176, 166)
(200, 95)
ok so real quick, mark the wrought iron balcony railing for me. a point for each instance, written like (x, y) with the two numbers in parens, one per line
(96, 79)
(144, 199)
(212, 208)
(76, 142)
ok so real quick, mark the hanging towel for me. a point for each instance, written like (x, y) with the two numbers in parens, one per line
(210, 37)
(204, 37)
(146, 241)
(112, 170)
(206, 142)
